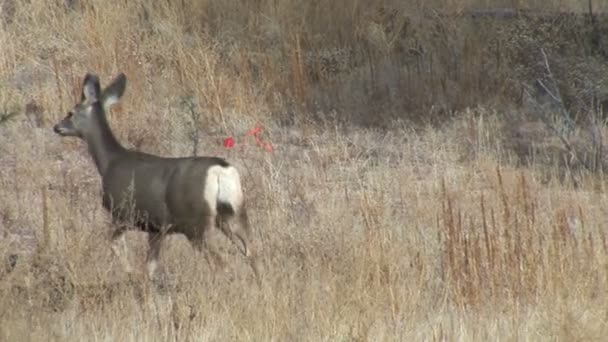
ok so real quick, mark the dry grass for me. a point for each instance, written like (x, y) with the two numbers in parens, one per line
(437, 233)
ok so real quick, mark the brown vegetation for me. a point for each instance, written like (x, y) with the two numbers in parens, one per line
(418, 189)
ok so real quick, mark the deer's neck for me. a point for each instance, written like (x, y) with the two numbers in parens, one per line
(103, 146)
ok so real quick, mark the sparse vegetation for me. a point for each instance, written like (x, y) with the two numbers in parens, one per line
(429, 178)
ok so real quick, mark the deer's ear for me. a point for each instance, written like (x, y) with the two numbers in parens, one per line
(90, 88)
(114, 91)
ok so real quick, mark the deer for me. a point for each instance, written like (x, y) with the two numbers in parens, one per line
(158, 195)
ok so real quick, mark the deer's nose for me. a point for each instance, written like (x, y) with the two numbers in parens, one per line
(60, 129)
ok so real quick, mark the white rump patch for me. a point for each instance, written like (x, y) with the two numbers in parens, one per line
(223, 186)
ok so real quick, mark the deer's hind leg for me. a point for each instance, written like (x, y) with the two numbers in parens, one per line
(241, 236)
(199, 238)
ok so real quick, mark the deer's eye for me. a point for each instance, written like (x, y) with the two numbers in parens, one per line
(70, 114)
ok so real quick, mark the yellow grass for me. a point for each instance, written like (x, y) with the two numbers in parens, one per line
(400, 234)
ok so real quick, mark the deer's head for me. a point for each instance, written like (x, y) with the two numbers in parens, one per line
(85, 116)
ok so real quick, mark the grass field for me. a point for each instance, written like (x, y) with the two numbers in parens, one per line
(410, 195)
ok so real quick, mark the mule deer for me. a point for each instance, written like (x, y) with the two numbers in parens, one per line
(158, 195)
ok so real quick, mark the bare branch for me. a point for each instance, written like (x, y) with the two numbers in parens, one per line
(546, 89)
(557, 97)
(560, 135)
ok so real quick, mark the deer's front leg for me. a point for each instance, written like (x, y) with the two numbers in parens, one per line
(155, 241)
(118, 236)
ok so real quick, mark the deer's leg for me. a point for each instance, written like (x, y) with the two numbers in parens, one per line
(241, 237)
(155, 241)
(118, 236)
(201, 243)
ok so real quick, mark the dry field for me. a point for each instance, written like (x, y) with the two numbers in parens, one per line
(409, 196)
